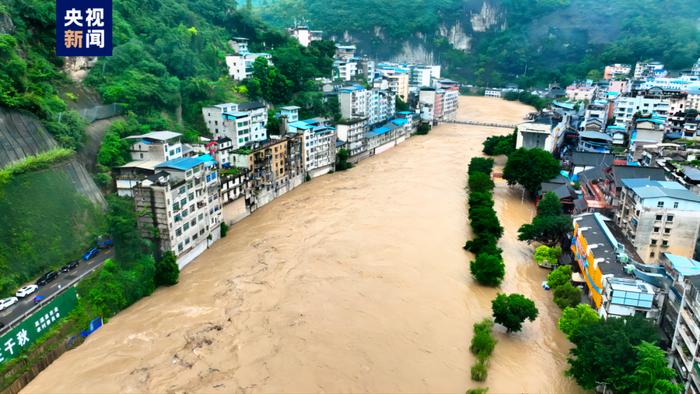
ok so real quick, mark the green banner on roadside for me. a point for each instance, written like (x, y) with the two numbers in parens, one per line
(21, 337)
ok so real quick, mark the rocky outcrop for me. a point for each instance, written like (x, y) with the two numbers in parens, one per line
(6, 24)
(414, 52)
(77, 68)
(456, 36)
(486, 18)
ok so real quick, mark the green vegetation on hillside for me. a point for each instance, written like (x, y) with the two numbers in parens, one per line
(45, 223)
(531, 42)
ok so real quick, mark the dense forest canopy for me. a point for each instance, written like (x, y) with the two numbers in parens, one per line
(531, 42)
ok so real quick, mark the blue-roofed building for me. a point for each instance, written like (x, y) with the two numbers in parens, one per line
(242, 123)
(629, 297)
(659, 217)
(319, 145)
(183, 200)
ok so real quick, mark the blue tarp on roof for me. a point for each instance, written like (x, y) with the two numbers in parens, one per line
(399, 122)
(300, 124)
(378, 131)
(183, 163)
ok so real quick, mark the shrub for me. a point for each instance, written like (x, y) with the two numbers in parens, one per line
(559, 277)
(480, 164)
(567, 296)
(167, 270)
(224, 230)
(480, 182)
(483, 343)
(479, 371)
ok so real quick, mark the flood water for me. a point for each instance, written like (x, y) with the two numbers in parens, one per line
(354, 282)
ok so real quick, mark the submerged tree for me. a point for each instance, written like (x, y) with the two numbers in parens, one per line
(512, 310)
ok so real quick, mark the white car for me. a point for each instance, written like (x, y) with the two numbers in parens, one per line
(8, 302)
(26, 290)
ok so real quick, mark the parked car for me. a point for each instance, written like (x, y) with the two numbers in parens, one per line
(8, 302)
(70, 266)
(47, 278)
(90, 254)
(545, 285)
(105, 243)
(26, 290)
(38, 299)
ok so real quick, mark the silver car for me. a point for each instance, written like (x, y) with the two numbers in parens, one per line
(8, 302)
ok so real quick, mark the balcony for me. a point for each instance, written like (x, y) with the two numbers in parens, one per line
(690, 343)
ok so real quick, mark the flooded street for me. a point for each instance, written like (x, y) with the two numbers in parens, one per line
(354, 282)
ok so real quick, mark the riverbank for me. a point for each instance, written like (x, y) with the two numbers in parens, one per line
(352, 282)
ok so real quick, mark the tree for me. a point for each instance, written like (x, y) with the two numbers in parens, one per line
(483, 343)
(529, 168)
(129, 246)
(546, 255)
(401, 105)
(167, 270)
(485, 221)
(559, 277)
(480, 164)
(488, 269)
(500, 144)
(652, 374)
(545, 229)
(567, 295)
(550, 205)
(341, 160)
(512, 310)
(572, 318)
(423, 129)
(605, 353)
(480, 182)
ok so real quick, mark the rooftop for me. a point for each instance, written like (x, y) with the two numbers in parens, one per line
(684, 265)
(646, 188)
(250, 106)
(589, 159)
(156, 136)
(602, 241)
(628, 172)
(186, 163)
(290, 108)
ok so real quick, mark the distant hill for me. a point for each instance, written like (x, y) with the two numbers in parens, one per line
(492, 42)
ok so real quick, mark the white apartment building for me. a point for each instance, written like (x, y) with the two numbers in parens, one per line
(659, 217)
(580, 92)
(651, 69)
(693, 99)
(450, 103)
(304, 35)
(626, 107)
(346, 70)
(183, 200)
(353, 102)
(422, 75)
(242, 123)
(493, 92)
(240, 65)
(156, 146)
(544, 132)
(291, 112)
(352, 131)
(398, 83)
(318, 140)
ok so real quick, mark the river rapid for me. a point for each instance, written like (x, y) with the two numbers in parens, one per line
(353, 282)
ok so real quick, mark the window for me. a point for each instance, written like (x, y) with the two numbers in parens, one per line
(176, 207)
(664, 243)
(660, 204)
(659, 217)
(667, 230)
(183, 202)
(652, 254)
(191, 196)
(669, 218)
(179, 247)
(656, 229)
(182, 190)
(192, 209)
(653, 242)
(675, 204)
(186, 227)
(178, 232)
(193, 222)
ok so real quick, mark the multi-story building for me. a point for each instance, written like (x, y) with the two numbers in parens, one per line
(684, 306)
(596, 116)
(616, 70)
(357, 102)
(344, 52)
(182, 199)
(346, 69)
(596, 251)
(240, 64)
(627, 106)
(242, 123)
(422, 75)
(352, 131)
(651, 69)
(156, 146)
(581, 92)
(304, 35)
(544, 132)
(659, 217)
(291, 112)
(318, 141)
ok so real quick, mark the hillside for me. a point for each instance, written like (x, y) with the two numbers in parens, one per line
(492, 42)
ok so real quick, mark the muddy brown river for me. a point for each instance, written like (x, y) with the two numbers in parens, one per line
(354, 282)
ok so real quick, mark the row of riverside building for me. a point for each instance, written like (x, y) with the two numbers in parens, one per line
(629, 148)
(184, 192)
